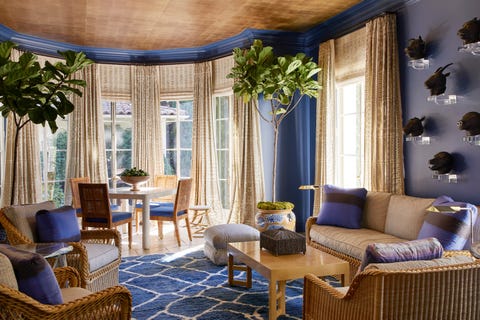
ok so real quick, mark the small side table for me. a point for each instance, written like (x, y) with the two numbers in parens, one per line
(55, 251)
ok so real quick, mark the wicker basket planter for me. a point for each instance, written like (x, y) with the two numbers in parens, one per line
(282, 241)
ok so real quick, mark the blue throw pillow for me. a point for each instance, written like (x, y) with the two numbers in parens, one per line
(451, 229)
(34, 275)
(58, 225)
(342, 207)
(425, 249)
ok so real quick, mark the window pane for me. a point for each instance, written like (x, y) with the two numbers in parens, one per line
(222, 134)
(185, 163)
(124, 161)
(349, 171)
(123, 108)
(171, 161)
(109, 162)
(108, 135)
(222, 107)
(123, 132)
(171, 135)
(186, 134)
(186, 110)
(224, 194)
(350, 134)
(222, 162)
(350, 98)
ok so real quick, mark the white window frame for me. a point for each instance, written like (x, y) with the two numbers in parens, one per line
(340, 179)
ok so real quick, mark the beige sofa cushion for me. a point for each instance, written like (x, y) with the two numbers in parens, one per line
(351, 242)
(405, 216)
(23, 217)
(375, 210)
(7, 275)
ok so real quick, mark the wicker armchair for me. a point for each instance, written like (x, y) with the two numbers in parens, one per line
(429, 294)
(111, 303)
(94, 280)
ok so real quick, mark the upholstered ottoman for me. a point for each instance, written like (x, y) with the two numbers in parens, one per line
(217, 237)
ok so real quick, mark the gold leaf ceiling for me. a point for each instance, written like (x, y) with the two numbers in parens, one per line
(160, 24)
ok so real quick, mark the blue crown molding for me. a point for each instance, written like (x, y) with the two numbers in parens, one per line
(283, 41)
(351, 20)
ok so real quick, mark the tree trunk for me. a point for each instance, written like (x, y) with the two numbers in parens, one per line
(274, 173)
(14, 168)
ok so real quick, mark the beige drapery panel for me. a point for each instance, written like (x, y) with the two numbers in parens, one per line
(325, 122)
(204, 158)
(222, 67)
(28, 174)
(147, 136)
(383, 111)
(86, 140)
(247, 187)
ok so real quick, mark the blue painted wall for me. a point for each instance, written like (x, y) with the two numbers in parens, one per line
(438, 21)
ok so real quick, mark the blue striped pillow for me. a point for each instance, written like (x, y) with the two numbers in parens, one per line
(451, 229)
(424, 249)
(342, 207)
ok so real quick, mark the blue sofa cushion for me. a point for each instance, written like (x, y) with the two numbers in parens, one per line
(34, 275)
(424, 249)
(451, 229)
(58, 225)
(342, 207)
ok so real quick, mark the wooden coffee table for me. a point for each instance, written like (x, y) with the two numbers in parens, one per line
(278, 269)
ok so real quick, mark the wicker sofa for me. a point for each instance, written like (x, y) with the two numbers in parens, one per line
(438, 293)
(386, 218)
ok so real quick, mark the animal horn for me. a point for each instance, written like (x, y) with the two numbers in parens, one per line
(443, 68)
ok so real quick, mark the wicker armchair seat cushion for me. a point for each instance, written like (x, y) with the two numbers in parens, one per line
(7, 276)
(100, 255)
(352, 243)
(23, 217)
(58, 225)
(421, 264)
(74, 293)
(34, 275)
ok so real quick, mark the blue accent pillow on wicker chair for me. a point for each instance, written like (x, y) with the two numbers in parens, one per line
(424, 249)
(451, 229)
(58, 225)
(34, 275)
(342, 207)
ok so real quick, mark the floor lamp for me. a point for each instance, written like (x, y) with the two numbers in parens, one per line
(474, 248)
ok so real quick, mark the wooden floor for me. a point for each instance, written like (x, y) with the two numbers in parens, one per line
(166, 245)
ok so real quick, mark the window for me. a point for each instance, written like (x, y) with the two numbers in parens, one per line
(222, 140)
(117, 116)
(177, 144)
(53, 156)
(350, 136)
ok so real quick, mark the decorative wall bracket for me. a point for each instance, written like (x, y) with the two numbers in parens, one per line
(473, 140)
(418, 139)
(443, 99)
(445, 177)
(419, 64)
(473, 48)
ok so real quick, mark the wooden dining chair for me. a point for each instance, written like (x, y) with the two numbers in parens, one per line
(96, 210)
(160, 181)
(176, 211)
(75, 194)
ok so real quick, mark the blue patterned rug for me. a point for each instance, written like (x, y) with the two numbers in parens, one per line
(176, 286)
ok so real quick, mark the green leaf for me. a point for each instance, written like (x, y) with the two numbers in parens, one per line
(293, 66)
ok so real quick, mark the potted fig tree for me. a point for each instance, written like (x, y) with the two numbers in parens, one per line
(282, 81)
(39, 94)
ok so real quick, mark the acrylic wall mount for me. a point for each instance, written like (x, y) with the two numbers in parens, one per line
(473, 48)
(443, 99)
(419, 64)
(418, 139)
(445, 177)
(473, 140)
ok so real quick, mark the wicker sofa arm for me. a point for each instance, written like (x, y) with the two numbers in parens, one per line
(111, 303)
(67, 277)
(308, 225)
(14, 236)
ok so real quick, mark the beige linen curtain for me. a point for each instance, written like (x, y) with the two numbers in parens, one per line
(247, 178)
(28, 174)
(383, 111)
(204, 158)
(86, 140)
(325, 122)
(147, 137)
